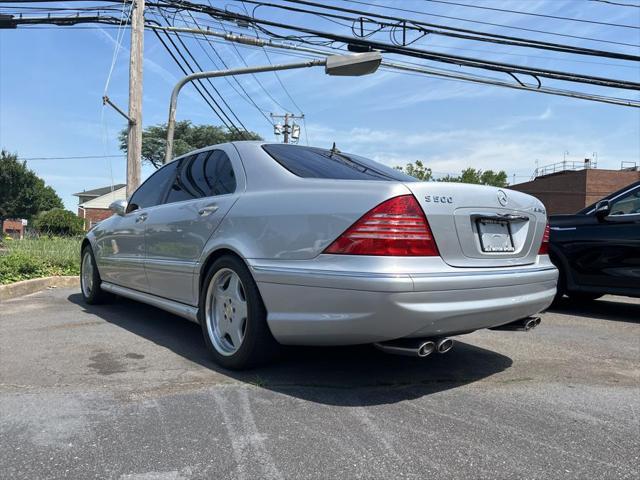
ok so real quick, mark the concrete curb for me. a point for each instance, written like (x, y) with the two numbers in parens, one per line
(18, 289)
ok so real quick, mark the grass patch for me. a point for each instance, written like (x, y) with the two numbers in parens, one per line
(38, 257)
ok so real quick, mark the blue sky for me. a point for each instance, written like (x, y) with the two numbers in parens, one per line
(52, 81)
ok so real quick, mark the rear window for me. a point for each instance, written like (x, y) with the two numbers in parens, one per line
(311, 162)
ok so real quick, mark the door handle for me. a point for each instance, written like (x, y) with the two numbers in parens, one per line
(208, 210)
(141, 218)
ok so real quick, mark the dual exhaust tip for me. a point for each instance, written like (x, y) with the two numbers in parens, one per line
(416, 347)
(420, 347)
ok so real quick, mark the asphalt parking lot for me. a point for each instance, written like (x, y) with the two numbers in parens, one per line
(127, 391)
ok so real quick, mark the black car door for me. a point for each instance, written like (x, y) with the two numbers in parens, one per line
(605, 252)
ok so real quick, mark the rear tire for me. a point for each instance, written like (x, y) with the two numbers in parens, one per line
(233, 316)
(90, 279)
(583, 296)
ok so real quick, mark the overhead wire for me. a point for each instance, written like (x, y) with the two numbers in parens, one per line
(243, 92)
(492, 24)
(197, 64)
(244, 62)
(284, 88)
(442, 30)
(532, 14)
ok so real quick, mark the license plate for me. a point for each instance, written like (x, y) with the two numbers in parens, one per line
(495, 235)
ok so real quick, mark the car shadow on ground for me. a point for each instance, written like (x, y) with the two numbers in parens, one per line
(601, 309)
(349, 376)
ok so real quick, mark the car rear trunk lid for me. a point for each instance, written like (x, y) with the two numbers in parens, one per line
(476, 225)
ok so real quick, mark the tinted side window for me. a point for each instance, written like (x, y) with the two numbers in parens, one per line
(204, 175)
(152, 191)
(310, 162)
(219, 175)
(628, 204)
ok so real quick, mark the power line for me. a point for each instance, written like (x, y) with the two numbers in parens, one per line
(80, 157)
(197, 85)
(616, 3)
(481, 22)
(246, 65)
(213, 87)
(414, 52)
(246, 95)
(286, 90)
(517, 12)
(425, 28)
(412, 68)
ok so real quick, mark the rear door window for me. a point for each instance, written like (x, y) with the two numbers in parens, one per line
(203, 175)
(311, 162)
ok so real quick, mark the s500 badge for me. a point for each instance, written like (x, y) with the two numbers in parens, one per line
(438, 199)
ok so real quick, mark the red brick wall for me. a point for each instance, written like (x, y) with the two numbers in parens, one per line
(571, 191)
(13, 227)
(601, 183)
(93, 215)
(560, 192)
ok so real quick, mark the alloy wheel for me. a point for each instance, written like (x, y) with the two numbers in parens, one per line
(226, 311)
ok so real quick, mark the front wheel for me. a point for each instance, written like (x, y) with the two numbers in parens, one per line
(90, 279)
(233, 316)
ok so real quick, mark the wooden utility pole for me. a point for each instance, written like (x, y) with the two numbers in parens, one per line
(286, 128)
(134, 139)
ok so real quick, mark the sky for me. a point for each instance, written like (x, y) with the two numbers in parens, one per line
(52, 80)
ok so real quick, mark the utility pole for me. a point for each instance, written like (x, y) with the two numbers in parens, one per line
(288, 131)
(134, 138)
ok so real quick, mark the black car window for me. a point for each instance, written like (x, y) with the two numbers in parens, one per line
(311, 162)
(204, 175)
(152, 191)
(628, 204)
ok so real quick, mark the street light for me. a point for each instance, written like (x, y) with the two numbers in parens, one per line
(337, 65)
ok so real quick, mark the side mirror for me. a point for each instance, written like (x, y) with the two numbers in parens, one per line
(603, 209)
(119, 207)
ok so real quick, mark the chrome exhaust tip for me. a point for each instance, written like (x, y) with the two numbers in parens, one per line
(410, 347)
(522, 325)
(444, 345)
(426, 349)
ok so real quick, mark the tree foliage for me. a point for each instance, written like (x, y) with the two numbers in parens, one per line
(187, 137)
(59, 221)
(22, 193)
(479, 177)
(468, 175)
(417, 170)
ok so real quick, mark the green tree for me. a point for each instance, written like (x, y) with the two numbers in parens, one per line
(187, 137)
(479, 177)
(59, 221)
(22, 193)
(417, 170)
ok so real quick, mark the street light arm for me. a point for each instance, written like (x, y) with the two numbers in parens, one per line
(221, 73)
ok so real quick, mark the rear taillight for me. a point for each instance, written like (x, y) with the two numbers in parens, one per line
(544, 247)
(396, 227)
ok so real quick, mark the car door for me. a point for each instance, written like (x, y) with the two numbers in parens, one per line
(121, 242)
(204, 189)
(605, 252)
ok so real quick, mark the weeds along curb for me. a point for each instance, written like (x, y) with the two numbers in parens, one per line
(25, 287)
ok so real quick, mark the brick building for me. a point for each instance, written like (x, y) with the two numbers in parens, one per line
(94, 204)
(14, 227)
(569, 191)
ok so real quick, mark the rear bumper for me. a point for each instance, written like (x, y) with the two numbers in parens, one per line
(318, 306)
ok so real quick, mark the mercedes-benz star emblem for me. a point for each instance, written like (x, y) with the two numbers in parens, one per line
(502, 198)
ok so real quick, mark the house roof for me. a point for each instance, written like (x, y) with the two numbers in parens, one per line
(103, 201)
(97, 192)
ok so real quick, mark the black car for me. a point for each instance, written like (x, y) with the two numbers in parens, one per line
(597, 250)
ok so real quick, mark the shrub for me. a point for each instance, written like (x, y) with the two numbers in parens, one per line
(59, 222)
(39, 257)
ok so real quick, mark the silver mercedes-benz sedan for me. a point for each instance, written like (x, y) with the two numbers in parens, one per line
(266, 244)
